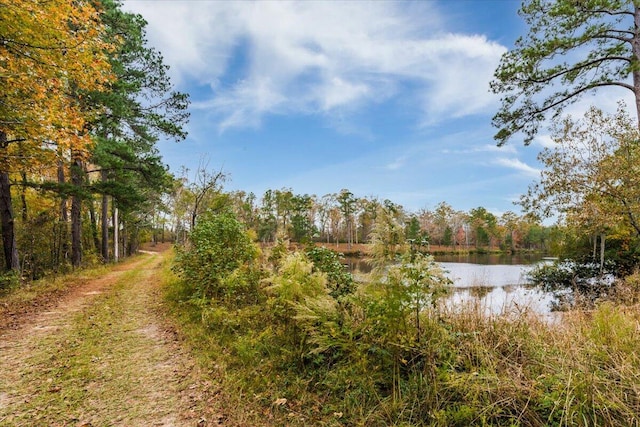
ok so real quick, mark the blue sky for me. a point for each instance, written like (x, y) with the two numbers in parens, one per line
(387, 99)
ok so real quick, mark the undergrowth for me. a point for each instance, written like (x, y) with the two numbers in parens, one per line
(293, 351)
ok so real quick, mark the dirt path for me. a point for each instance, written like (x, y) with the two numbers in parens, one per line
(103, 356)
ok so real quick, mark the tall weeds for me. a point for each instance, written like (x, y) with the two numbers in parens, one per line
(305, 351)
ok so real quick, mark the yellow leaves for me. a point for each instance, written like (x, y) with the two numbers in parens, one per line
(280, 402)
(51, 50)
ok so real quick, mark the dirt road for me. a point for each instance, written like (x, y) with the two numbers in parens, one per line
(102, 356)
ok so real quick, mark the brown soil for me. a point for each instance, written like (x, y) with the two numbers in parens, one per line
(14, 312)
(137, 372)
(361, 248)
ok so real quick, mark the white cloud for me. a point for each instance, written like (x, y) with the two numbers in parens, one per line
(544, 141)
(338, 92)
(460, 71)
(189, 36)
(606, 99)
(485, 148)
(518, 165)
(492, 148)
(245, 103)
(397, 163)
(320, 57)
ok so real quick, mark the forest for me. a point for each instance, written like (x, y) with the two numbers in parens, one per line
(84, 101)
(253, 286)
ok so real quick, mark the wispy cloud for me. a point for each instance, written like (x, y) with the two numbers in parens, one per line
(267, 57)
(544, 141)
(486, 148)
(492, 148)
(397, 163)
(518, 165)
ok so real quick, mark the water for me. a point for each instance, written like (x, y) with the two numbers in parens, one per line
(491, 259)
(496, 283)
(496, 289)
(467, 275)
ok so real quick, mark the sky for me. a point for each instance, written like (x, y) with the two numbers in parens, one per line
(386, 99)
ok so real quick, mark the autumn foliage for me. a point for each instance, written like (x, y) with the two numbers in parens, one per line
(51, 52)
(60, 60)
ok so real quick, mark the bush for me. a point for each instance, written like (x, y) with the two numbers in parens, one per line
(339, 280)
(220, 255)
(627, 290)
(574, 281)
(9, 281)
(386, 355)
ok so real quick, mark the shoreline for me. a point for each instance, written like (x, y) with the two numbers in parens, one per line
(363, 250)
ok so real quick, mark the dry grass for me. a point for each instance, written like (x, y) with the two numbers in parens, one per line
(470, 369)
(103, 357)
(368, 361)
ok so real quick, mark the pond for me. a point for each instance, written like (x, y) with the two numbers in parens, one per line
(493, 283)
(491, 259)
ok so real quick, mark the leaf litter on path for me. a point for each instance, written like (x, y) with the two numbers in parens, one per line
(103, 355)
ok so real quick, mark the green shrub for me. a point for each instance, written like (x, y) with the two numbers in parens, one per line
(627, 290)
(387, 354)
(220, 255)
(339, 280)
(9, 281)
(298, 297)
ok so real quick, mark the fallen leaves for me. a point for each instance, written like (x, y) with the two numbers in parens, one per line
(280, 402)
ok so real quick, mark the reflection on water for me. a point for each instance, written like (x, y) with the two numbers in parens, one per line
(496, 283)
(503, 300)
(357, 265)
(465, 275)
(491, 259)
(496, 289)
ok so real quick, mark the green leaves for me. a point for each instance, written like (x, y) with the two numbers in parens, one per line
(219, 247)
(572, 48)
(339, 280)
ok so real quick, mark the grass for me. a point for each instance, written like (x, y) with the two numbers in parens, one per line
(236, 404)
(33, 296)
(105, 365)
(466, 369)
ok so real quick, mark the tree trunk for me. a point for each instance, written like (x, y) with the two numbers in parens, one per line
(104, 221)
(94, 226)
(635, 49)
(64, 217)
(63, 230)
(154, 230)
(92, 215)
(23, 197)
(11, 260)
(116, 243)
(125, 240)
(356, 234)
(77, 179)
(602, 243)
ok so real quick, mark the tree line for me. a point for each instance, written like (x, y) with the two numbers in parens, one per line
(344, 218)
(83, 100)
